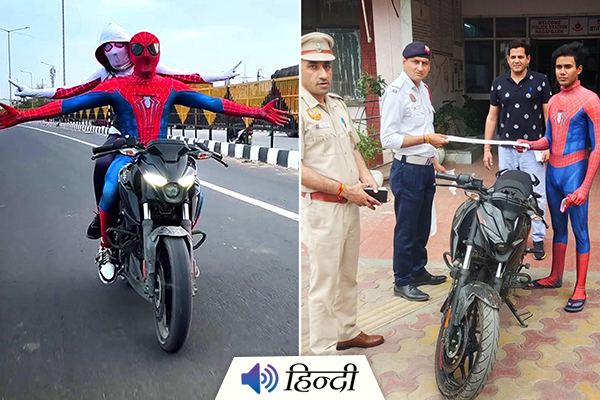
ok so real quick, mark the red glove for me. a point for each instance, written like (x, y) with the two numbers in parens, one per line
(10, 117)
(268, 112)
(578, 197)
(522, 149)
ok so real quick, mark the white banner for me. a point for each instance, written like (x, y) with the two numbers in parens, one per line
(300, 377)
(460, 139)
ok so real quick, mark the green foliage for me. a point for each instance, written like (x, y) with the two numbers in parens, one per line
(369, 84)
(448, 115)
(368, 145)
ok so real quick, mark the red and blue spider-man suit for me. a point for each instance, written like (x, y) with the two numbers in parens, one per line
(573, 126)
(142, 101)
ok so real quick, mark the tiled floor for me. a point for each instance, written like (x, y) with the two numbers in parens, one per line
(556, 357)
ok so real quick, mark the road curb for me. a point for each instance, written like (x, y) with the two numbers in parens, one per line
(284, 158)
(281, 157)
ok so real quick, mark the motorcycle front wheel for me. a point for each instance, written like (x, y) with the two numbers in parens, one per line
(465, 356)
(173, 294)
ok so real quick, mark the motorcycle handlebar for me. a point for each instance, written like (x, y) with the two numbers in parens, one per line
(117, 144)
(463, 180)
(448, 177)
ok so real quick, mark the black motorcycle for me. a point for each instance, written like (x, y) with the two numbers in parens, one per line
(160, 201)
(243, 136)
(488, 243)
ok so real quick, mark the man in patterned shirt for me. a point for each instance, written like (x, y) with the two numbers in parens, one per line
(573, 127)
(518, 102)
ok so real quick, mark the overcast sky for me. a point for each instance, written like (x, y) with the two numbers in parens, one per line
(207, 36)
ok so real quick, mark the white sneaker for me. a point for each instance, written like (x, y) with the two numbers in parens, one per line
(106, 266)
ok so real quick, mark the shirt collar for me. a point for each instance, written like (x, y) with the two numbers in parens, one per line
(527, 76)
(309, 98)
(407, 79)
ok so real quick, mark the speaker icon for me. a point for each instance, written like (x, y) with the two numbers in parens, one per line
(270, 378)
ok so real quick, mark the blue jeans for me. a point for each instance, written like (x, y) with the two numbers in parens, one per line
(509, 158)
(413, 188)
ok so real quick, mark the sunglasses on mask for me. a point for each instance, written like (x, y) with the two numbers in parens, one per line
(108, 46)
(137, 49)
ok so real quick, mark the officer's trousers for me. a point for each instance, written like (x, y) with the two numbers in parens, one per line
(331, 232)
(413, 188)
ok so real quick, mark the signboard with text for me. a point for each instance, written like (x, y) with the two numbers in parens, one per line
(594, 26)
(549, 27)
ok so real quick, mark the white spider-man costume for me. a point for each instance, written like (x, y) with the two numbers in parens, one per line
(142, 101)
(573, 126)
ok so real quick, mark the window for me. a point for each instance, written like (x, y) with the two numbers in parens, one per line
(511, 27)
(479, 27)
(479, 65)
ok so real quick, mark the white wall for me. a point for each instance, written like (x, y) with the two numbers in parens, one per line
(513, 8)
(392, 34)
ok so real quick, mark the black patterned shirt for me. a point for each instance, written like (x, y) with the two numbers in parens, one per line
(521, 113)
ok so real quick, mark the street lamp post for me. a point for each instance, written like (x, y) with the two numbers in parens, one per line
(52, 72)
(30, 82)
(8, 31)
(30, 78)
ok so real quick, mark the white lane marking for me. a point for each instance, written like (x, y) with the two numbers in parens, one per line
(250, 200)
(62, 136)
(227, 192)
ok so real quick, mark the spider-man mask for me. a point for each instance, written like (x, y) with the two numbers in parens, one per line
(144, 52)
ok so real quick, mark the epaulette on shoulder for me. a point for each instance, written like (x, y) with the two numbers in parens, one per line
(395, 88)
(336, 96)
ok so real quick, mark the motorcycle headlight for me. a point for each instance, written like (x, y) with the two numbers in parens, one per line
(187, 180)
(502, 248)
(171, 190)
(155, 179)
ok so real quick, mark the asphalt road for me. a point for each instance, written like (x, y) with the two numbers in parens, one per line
(64, 335)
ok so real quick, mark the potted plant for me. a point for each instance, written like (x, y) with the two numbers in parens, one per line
(369, 84)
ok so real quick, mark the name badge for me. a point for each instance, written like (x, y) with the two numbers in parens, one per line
(323, 125)
(314, 114)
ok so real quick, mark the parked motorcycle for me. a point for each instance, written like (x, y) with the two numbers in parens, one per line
(487, 246)
(243, 136)
(160, 201)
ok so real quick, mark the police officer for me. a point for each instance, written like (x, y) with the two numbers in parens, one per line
(333, 176)
(407, 129)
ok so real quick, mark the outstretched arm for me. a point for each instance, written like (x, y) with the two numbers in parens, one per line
(85, 85)
(198, 100)
(195, 77)
(12, 116)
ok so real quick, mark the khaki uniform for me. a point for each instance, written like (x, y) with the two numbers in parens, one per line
(330, 231)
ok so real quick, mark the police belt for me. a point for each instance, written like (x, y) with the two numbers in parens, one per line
(416, 160)
(330, 198)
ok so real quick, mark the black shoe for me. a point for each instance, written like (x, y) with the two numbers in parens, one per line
(410, 292)
(93, 231)
(428, 279)
(538, 250)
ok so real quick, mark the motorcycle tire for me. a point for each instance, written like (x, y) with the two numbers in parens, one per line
(173, 294)
(463, 367)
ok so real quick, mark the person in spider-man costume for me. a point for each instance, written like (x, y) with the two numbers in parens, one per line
(113, 54)
(573, 126)
(142, 101)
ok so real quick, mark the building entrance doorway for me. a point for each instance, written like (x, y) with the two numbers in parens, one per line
(541, 61)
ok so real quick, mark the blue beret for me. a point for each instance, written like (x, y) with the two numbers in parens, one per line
(416, 49)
